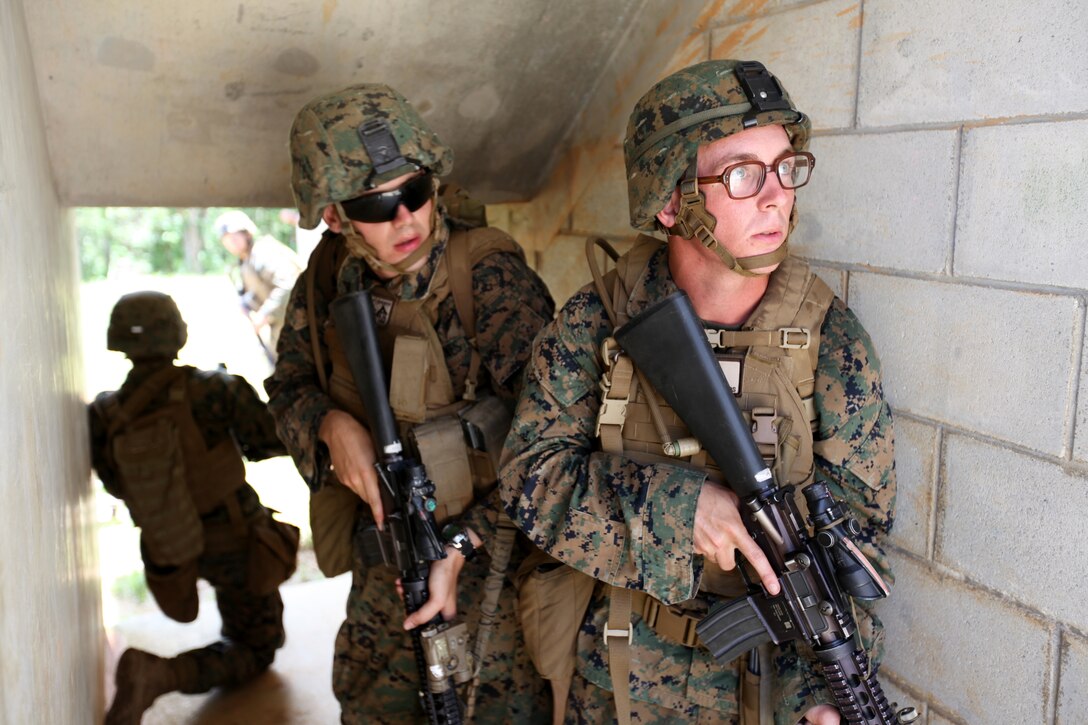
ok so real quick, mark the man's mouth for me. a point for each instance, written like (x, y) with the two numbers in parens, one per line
(768, 236)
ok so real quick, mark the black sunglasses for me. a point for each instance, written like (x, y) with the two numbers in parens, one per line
(382, 206)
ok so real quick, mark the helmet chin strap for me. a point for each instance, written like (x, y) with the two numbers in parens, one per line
(693, 220)
(358, 246)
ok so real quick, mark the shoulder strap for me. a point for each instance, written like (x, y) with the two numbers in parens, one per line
(325, 262)
(119, 415)
(460, 276)
(592, 244)
(466, 248)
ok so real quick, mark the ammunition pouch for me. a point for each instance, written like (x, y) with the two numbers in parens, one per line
(442, 450)
(460, 452)
(552, 602)
(333, 509)
(273, 552)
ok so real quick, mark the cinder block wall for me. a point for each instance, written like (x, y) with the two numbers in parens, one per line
(50, 619)
(950, 209)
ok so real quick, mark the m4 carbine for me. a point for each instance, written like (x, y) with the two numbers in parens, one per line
(410, 541)
(817, 570)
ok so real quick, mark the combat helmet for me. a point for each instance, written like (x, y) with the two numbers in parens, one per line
(694, 106)
(350, 141)
(146, 325)
(233, 221)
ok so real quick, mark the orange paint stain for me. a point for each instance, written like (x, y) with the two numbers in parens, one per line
(711, 11)
(731, 42)
(749, 7)
(327, 9)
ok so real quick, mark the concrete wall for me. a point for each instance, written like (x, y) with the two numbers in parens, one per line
(948, 208)
(50, 621)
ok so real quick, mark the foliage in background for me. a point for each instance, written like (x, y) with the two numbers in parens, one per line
(131, 587)
(160, 240)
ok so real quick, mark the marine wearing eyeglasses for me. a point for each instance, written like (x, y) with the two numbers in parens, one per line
(715, 156)
(365, 162)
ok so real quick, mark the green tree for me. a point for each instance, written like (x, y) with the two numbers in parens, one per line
(161, 240)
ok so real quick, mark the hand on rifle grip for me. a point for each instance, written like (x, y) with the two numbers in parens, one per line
(352, 452)
(720, 533)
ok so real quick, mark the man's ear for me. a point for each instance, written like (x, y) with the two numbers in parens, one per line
(667, 216)
(332, 219)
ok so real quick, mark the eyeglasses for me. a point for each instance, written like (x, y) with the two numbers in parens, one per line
(745, 179)
(382, 206)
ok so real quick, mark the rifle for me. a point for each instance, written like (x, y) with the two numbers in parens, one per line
(817, 571)
(410, 541)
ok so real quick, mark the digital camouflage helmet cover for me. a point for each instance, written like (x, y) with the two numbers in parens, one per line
(339, 147)
(146, 325)
(694, 106)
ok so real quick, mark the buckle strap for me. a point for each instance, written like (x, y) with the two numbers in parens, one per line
(617, 638)
(674, 627)
(787, 338)
(615, 395)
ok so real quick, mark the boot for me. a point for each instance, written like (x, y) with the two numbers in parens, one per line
(141, 677)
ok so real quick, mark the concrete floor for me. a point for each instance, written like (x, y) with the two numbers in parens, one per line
(296, 690)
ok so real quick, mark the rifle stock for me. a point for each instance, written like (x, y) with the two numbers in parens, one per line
(816, 571)
(411, 540)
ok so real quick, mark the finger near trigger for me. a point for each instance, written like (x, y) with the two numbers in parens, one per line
(758, 560)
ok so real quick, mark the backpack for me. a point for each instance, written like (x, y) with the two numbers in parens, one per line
(148, 455)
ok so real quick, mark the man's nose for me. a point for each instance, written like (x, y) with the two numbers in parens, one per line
(773, 192)
(403, 215)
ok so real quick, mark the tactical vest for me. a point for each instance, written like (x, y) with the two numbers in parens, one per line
(771, 365)
(457, 434)
(169, 477)
(771, 361)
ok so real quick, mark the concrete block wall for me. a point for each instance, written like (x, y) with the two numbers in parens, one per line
(50, 613)
(948, 208)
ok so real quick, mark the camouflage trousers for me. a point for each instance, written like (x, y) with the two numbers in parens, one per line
(375, 676)
(252, 629)
(592, 705)
(794, 687)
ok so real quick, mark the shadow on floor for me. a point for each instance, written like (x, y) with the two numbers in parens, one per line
(297, 690)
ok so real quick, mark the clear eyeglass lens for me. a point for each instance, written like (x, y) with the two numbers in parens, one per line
(744, 179)
(793, 171)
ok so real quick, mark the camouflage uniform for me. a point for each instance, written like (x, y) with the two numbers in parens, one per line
(223, 406)
(628, 521)
(374, 672)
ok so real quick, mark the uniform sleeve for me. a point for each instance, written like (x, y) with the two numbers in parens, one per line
(512, 305)
(252, 425)
(295, 398)
(623, 522)
(226, 406)
(855, 443)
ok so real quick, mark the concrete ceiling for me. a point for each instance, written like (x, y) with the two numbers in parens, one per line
(190, 103)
